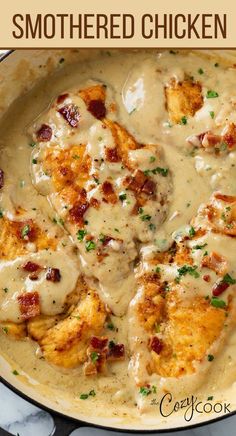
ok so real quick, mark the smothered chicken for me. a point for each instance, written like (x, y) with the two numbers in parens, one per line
(110, 192)
(184, 307)
(45, 298)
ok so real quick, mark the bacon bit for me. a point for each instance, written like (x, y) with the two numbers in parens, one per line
(98, 343)
(31, 267)
(1, 179)
(210, 140)
(215, 262)
(149, 187)
(90, 368)
(77, 211)
(70, 114)
(207, 278)
(116, 352)
(101, 255)
(63, 171)
(156, 344)
(29, 305)
(219, 288)
(106, 240)
(112, 155)
(97, 108)
(53, 275)
(140, 183)
(225, 198)
(94, 203)
(44, 134)
(109, 193)
(31, 231)
(61, 98)
(230, 136)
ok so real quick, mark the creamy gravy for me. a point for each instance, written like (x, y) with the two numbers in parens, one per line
(136, 82)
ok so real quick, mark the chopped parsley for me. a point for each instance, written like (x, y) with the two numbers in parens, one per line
(15, 372)
(94, 356)
(92, 393)
(145, 391)
(25, 231)
(117, 230)
(210, 398)
(152, 159)
(90, 245)
(5, 330)
(210, 357)
(212, 94)
(158, 170)
(183, 120)
(199, 247)
(200, 71)
(186, 269)
(192, 232)
(216, 302)
(216, 64)
(34, 161)
(228, 279)
(76, 156)
(102, 238)
(152, 227)
(110, 326)
(158, 270)
(212, 114)
(5, 290)
(61, 60)
(122, 196)
(81, 234)
(1, 213)
(32, 144)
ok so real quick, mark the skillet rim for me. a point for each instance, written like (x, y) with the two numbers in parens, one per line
(78, 423)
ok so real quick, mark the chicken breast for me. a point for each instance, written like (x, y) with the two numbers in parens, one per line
(109, 191)
(185, 304)
(64, 341)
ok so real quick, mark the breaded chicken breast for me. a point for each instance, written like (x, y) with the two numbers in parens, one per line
(99, 179)
(185, 304)
(183, 99)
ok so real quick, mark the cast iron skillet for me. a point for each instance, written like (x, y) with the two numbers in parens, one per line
(65, 425)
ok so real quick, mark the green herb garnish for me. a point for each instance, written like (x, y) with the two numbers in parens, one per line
(212, 94)
(81, 234)
(216, 302)
(90, 245)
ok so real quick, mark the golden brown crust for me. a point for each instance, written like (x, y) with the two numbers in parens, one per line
(183, 99)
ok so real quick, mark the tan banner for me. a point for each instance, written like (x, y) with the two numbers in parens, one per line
(125, 23)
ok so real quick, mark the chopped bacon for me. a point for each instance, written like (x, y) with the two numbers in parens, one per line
(206, 278)
(225, 198)
(97, 108)
(61, 98)
(44, 134)
(156, 344)
(210, 140)
(90, 368)
(94, 203)
(140, 183)
(112, 155)
(215, 262)
(149, 187)
(230, 136)
(106, 240)
(71, 114)
(98, 343)
(31, 267)
(1, 179)
(116, 352)
(219, 288)
(77, 212)
(53, 275)
(29, 305)
(109, 193)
